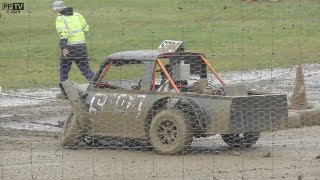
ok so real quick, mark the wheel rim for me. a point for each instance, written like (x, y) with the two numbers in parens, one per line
(167, 132)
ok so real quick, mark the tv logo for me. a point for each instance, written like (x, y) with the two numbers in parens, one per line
(13, 7)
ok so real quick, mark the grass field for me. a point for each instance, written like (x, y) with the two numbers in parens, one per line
(234, 34)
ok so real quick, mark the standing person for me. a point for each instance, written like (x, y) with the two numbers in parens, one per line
(70, 27)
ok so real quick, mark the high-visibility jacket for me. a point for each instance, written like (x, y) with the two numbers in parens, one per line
(72, 27)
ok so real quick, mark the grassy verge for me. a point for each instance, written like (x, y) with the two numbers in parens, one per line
(234, 35)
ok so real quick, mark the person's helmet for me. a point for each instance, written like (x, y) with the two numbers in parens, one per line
(58, 5)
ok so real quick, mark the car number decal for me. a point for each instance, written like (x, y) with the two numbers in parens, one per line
(120, 102)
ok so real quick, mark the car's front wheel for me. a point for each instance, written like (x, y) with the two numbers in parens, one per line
(170, 132)
(243, 140)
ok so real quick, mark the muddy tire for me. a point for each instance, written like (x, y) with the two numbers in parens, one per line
(170, 132)
(71, 133)
(243, 140)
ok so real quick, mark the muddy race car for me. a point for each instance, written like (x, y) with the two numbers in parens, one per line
(167, 98)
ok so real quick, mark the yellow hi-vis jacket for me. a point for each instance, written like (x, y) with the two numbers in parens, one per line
(72, 27)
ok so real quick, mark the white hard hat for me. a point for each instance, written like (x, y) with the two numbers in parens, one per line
(58, 5)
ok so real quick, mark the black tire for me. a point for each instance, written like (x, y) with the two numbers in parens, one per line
(71, 132)
(243, 140)
(170, 132)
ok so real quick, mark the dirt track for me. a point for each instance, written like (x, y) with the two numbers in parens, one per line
(283, 154)
(30, 143)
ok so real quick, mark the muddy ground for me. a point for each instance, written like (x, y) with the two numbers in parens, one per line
(30, 136)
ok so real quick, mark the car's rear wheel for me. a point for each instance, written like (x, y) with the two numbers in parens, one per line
(71, 132)
(170, 132)
(243, 140)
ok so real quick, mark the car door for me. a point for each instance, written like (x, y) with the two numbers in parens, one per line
(117, 113)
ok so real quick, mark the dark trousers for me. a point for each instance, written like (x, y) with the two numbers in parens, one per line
(79, 55)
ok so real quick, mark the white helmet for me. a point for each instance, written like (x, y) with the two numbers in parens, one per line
(58, 5)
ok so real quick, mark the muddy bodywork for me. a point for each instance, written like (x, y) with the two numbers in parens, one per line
(126, 112)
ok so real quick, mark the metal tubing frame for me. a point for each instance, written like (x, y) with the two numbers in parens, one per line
(167, 75)
(106, 69)
(212, 70)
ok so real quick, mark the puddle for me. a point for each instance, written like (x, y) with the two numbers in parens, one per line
(26, 97)
(36, 93)
(47, 125)
(15, 101)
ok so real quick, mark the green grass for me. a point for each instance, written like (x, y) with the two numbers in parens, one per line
(234, 35)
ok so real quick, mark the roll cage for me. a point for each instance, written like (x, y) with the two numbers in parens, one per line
(153, 60)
